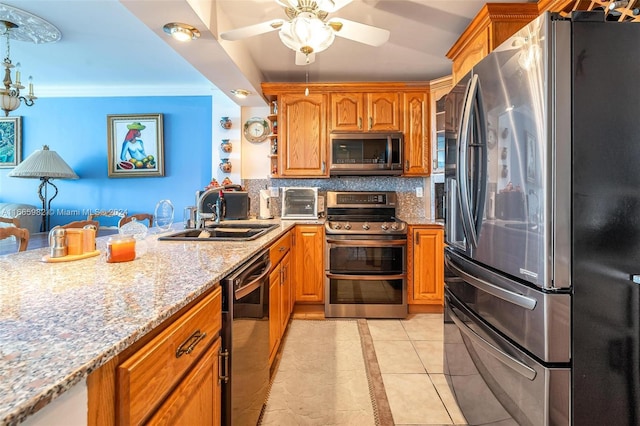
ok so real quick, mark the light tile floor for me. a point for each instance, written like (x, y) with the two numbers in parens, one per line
(410, 356)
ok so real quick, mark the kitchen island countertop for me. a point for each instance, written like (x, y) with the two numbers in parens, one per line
(61, 321)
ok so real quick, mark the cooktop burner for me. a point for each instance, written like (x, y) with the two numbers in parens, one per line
(363, 213)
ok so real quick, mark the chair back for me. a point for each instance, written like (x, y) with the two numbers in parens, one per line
(21, 235)
(107, 219)
(10, 220)
(82, 224)
(139, 217)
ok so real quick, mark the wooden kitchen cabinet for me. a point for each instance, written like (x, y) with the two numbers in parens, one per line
(170, 375)
(384, 111)
(275, 300)
(426, 266)
(348, 107)
(439, 90)
(302, 135)
(347, 112)
(308, 263)
(197, 399)
(280, 300)
(417, 153)
(365, 112)
(495, 23)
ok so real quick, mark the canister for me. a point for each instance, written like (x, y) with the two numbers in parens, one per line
(121, 248)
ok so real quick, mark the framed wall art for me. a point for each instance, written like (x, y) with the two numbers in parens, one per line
(10, 141)
(135, 146)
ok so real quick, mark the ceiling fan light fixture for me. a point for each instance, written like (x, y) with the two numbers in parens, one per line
(181, 32)
(240, 93)
(306, 33)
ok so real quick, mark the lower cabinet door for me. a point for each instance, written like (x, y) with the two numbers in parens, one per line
(275, 294)
(196, 400)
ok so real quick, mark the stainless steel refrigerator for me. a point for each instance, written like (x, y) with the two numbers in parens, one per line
(542, 181)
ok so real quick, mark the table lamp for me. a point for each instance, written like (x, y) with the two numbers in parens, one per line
(45, 165)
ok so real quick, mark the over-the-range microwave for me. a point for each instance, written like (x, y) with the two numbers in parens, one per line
(357, 154)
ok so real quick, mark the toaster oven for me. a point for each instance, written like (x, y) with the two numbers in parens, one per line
(300, 203)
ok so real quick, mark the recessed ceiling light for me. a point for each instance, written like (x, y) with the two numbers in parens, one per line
(181, 32)
(240, 93)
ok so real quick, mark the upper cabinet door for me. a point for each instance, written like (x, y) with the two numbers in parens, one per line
(347, 111)
(384, 112)
(416, 140)
(303, 135)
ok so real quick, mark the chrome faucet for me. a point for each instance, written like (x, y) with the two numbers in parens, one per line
(218, 211)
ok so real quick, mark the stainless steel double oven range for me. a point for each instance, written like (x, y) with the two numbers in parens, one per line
(365, 261)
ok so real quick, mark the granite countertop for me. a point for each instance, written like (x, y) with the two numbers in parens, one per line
(61, 321)
(417, 220)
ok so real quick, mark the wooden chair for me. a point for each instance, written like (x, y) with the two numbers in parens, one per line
(138, 216)
(21, 235)
(107, 219)
(11, 220)
(82, 224)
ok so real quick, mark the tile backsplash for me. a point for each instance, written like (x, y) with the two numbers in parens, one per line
(408, 203)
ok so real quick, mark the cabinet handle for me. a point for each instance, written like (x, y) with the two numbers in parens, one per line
(223, 376)
(324, 166)
(370, 123)
(190, 343)
(406, 165)
(283, 248)
(360, 123)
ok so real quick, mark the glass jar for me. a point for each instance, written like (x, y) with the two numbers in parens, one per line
(121, 248)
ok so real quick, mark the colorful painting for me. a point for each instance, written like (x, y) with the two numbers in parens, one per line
(10, 141)
(135, 145)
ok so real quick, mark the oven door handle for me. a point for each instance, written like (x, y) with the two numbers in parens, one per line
(367, 243)
(365, 277)
(254, 284)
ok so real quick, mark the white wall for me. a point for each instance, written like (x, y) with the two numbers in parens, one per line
(255, 160)
(224, 107)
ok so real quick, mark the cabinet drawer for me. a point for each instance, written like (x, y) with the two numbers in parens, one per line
(280, 248)
(151, 373)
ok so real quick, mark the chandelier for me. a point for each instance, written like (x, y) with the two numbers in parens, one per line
(23, 26)
(10, 99)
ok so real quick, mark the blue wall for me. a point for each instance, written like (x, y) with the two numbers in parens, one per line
(76, 128)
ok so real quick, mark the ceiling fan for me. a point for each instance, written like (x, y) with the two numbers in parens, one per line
(309, 30)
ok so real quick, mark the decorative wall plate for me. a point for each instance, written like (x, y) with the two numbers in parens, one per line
(256, 129)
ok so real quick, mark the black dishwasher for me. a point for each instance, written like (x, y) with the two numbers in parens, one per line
(245, 340)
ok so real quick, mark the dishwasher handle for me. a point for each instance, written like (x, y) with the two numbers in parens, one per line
(245, 289)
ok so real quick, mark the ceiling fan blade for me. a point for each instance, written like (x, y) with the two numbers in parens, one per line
(302, 59)
(252, 30)
(362, 33)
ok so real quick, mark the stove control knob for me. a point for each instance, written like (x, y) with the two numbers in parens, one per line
(384, 226)
(337, 226)
(347, 226)
(365, 226)
(394, 226)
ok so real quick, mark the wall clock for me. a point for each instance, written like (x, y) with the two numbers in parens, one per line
(256, 129)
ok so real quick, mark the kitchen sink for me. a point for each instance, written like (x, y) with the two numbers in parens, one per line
(222, 232)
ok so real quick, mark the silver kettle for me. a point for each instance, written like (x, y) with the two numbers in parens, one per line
(58, 242)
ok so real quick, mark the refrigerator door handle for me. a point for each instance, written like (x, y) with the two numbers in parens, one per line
(517, 366)
(472, 109)
(511, 297)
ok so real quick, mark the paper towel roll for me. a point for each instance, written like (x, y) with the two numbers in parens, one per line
(265, 209)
